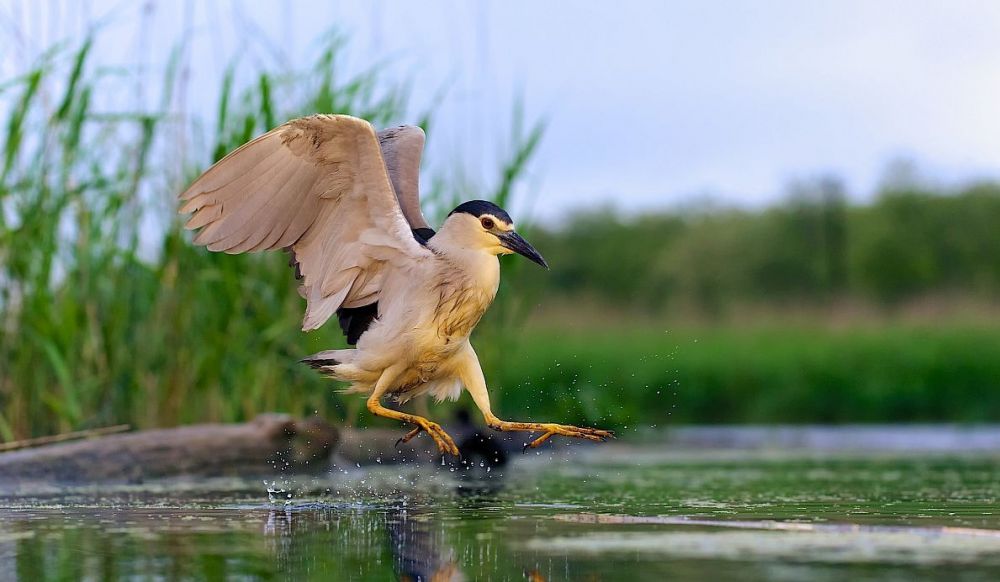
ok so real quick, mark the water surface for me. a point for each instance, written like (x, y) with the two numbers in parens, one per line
(605, 513)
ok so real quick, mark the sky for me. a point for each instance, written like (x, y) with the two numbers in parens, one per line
(648, 104)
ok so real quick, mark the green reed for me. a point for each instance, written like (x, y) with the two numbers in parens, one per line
(108, 314)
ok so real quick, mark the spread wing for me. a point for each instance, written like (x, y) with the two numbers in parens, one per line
(319, 187)
(402, 148)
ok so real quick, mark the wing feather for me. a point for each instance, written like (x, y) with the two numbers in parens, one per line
(318, 186)
(303, 218)
(244, 221)
(203, 218)
(227, 185)
(275, 213)
(402, 148)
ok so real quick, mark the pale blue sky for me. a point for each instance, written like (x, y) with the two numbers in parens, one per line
(650, 104)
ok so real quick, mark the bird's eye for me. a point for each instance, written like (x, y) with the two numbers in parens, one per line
(487, 223)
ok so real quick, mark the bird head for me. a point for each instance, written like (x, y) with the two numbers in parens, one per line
(484, 225)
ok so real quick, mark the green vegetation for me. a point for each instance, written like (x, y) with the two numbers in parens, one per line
(912, 242)
(627, 377)
(108, 314)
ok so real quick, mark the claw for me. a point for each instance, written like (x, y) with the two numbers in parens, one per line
(408, 436)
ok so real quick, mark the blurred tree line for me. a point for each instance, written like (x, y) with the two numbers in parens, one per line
(910, 242)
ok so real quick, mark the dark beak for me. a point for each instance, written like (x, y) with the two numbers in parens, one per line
(514, 242)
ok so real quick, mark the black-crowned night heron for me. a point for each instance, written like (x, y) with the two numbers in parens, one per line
(344, 202)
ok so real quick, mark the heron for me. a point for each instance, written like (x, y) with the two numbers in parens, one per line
(343, 200)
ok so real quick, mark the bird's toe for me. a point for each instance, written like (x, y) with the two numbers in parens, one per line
(443, 440)
(408, 436)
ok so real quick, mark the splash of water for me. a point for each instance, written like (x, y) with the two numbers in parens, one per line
(276, 493)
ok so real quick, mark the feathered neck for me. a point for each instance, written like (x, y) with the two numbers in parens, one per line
(466, 255)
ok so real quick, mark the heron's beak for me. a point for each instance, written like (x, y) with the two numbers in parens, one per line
(513, 241)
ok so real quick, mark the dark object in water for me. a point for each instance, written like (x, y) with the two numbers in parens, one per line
(482, 452)
(368, 446)
(268, 444)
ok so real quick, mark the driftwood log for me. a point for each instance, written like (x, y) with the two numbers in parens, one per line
(270, 444)
(267, 445)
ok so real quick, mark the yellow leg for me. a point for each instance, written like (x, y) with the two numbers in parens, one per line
(472, 376)
(444, 442)
(441, 438)
(549, 430)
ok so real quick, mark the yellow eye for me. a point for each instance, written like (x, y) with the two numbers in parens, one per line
(487, 223)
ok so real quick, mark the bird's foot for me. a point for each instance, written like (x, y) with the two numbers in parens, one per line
(443, 441)
(550, 430)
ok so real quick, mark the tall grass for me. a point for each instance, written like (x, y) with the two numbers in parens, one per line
(108, 314)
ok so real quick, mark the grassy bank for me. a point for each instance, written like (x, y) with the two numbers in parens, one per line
(755, 374)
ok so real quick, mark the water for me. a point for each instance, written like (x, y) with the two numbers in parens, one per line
(607, 513)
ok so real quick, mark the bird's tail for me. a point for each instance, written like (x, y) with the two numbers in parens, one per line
(325, 359)
(339, 365)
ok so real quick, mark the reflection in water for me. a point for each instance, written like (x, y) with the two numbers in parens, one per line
(550, 521)
(420, 552)
(415, 535)
(278, 535)
(408, 529)
(415, 540)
